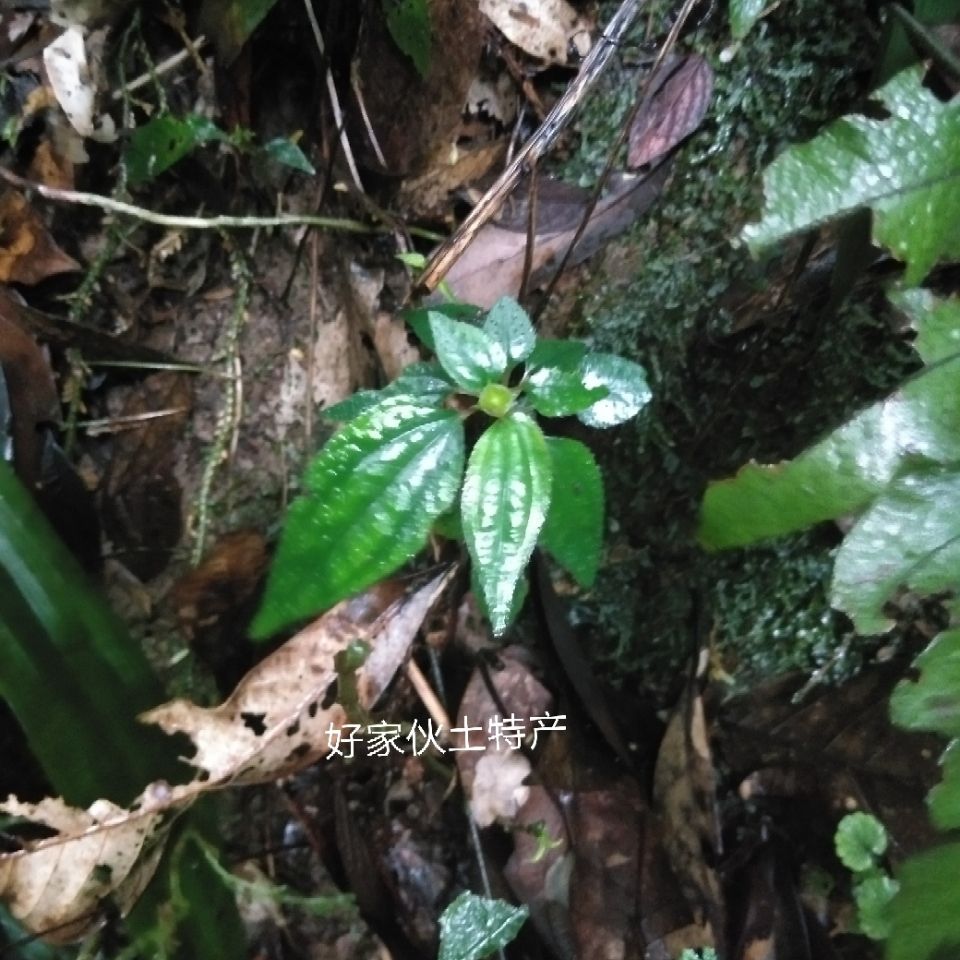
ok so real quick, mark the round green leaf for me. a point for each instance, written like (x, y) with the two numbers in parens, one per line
(860, 839)
(573, 532)
(468, 354)
(371, 497)
(873, 896)
(508, 324)
(505, 500)
(626, 382)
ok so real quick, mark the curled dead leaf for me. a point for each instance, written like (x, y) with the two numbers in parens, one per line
(56, 887)
(546, 29)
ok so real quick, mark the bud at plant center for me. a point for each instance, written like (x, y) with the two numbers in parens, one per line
(495, 399)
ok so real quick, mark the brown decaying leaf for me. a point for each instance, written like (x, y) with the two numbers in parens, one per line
(28, 254)
(273, 725)
(495, 791)
(684, 791)
(674, 111)
(545, 29)
(492, 266)
(31, 392)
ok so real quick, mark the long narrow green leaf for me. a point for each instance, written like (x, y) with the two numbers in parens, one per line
(505, 499)
(67, 668)
(371, 497)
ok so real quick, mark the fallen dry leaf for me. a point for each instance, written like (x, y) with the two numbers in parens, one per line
(56, 887)
(684, 791)
(73, 76)
(274, 724)
(28, 254)
(492, 266)
(546, 29)
(674, 111)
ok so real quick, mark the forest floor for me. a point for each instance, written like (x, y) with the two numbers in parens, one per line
(196, 367)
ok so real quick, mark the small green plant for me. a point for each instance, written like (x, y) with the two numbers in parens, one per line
(395, 471)
(861, 841)
(474, 927)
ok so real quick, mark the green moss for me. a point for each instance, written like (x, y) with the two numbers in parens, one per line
(728, 385)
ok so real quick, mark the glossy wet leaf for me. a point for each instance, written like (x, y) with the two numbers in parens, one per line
(860, 840)
(284, 151)
(504, 503)
(370, 499)
(909, 538)
(474, 927)
(161, 142)
(936, 321)
(469, 355)
(425, 382)
(626, 385)
(844, 472)
(409, 24)
(565, 355)
(925, 913)
(418, 319)
(573, 532)
(932, 703)
(905, 167)
(559, 393)
(744, 14)
(508, 324)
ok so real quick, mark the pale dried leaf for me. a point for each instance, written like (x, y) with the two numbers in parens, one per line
(498, 787)
(73, 79)
(274, 723)
(55, 887)
(546, 29)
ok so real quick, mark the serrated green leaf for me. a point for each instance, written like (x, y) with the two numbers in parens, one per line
(420, 381)
(516, 604)
(161, 142)
(906, 168)
(909, 537)
(409, 24)
(860, 840)
(564, 355)
(508, 324)
(468, 354)
(936, 321)
(932, 703)
(353, 406)
(558, 393)
(844, 472)
(925, 913)
(944, 798)
(474, 927)
(744, 14)
(371, 497)
(627, 390)
(873, 897)
(504, 503)
(418, 319)
(573, 532)
(284, 151)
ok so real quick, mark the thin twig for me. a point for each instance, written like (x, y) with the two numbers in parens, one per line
(531, 244)
(333, 95)
(429, 699)
(164, 67)
(535, 148)
(177, 222)
(646, 93)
